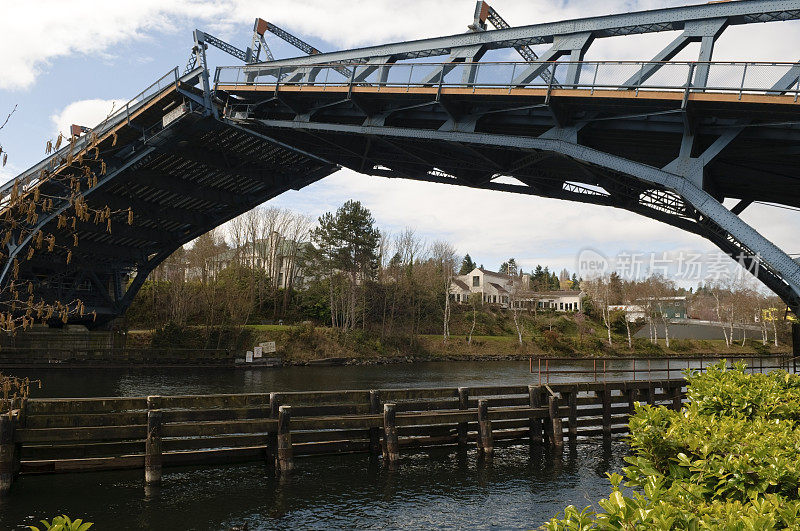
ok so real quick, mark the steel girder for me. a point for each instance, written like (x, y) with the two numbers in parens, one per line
(705, 215)
(668, 19)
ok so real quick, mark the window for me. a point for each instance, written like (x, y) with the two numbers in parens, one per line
(560, 305)
(476, 281)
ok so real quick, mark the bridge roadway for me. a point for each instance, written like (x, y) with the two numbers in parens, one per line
(668, 140)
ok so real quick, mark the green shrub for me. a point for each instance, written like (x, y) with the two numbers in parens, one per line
(63, 523)
(681, 345)
(727, 460)
(644, 346)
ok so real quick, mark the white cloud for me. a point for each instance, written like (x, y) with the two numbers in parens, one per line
(88, 113)
(32, 34)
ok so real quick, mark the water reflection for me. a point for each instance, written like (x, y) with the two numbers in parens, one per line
(443, 488)
(171, 381)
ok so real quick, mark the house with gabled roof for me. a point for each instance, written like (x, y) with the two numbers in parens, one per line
(510, 291)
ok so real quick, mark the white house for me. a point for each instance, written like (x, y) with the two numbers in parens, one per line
(281, 258)
(510, 290)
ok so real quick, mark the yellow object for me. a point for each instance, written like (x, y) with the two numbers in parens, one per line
(769, 314)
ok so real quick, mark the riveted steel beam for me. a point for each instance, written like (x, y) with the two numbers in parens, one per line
(668, 19)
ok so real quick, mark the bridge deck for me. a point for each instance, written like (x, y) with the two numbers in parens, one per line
(658, 95)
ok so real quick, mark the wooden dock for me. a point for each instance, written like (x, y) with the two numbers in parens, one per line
(81, 434)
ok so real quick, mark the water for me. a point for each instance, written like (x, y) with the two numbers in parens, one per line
(439, 488)
(176, 381)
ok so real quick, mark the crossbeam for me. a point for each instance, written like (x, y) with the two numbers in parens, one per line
(657, 20)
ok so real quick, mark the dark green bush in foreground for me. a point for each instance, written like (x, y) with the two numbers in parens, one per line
(728, 460)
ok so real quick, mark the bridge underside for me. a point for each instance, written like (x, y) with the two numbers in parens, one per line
(192, 176)
(199, 171)
(470, 137)
(666, 139)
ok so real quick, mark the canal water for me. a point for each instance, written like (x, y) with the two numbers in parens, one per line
(520, 488)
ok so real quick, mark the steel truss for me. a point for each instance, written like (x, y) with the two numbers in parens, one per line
(667, 140)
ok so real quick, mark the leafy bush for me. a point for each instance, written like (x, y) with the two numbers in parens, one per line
(681, 345)
(63, 523)
(644, 346)
(727, 460)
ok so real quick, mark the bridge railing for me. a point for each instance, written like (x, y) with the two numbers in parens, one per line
(727, 77)
(30, 176)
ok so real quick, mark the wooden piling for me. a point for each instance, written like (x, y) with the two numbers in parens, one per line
(556, 431)
(374, 433)
(391, 444)
(463, 403)
(285, 461)
(152, 452)
(485, 441)
(633, 397)
(8, 453)
(536, 424)
(572, 401)
(606, 397)
(272, 436)
(677, 395)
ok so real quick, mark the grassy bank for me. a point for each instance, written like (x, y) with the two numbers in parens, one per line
(495, 337)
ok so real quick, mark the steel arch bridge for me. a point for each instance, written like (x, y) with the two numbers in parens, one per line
(666, 139)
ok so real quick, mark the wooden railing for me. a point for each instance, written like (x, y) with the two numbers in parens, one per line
(77, 434)
(646, 368)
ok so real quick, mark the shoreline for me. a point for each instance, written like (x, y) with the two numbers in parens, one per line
(371, 361)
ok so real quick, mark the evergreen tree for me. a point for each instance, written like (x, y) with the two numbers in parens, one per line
(348, 245)
(467, 265)
(576, 284)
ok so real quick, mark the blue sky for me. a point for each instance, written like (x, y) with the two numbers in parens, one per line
(65, 62)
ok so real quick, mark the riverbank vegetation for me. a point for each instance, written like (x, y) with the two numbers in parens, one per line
(727, 460)
(341, 287)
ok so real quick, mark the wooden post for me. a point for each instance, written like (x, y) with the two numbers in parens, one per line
(152, 451)
(463, 404)
(285, 459)
(272, 437)
(556, 430)
(485, 442)
(536, 424)
(391, 444)
(572, 400)
(606, 412)
(676, 397)
(8, 454)
(633, 397)
(795, 345)
(374, 433)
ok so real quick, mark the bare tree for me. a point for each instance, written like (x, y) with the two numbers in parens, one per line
(599, 290)
(444, 257)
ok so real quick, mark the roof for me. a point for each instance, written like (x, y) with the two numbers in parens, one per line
(498, 287)
(460, 283)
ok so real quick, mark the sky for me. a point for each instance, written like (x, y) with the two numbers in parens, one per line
(72, 62)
